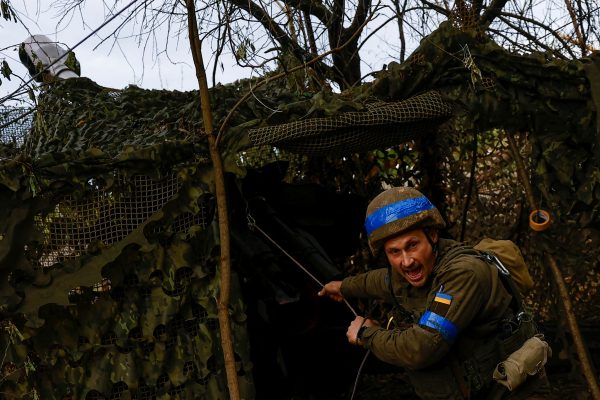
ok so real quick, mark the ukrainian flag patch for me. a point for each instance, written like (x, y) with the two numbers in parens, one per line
(443, 298)
(441, 303)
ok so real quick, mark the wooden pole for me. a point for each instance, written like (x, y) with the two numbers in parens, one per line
(225, 262)
(567, 306)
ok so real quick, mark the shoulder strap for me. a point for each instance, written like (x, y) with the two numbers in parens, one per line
(507, 281)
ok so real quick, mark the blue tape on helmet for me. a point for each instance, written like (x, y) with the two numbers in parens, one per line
(438, 323)
(395, 211)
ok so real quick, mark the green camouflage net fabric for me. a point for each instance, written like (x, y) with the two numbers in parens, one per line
(379, 126)
(118, 284)
(109, 249)
(15, 123)
(109, 255)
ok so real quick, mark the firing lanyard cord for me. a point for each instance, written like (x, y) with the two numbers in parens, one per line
(362, 364)
(252, 225)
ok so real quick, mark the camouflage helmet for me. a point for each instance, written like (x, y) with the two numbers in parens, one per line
(398, 210)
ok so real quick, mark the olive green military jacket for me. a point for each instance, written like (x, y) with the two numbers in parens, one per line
(459, 309)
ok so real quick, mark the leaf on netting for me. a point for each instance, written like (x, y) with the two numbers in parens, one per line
(5, 70)
(241, 52)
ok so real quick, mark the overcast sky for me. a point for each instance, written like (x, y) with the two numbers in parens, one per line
(114, 67)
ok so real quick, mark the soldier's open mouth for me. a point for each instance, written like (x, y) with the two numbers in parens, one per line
(414, 274)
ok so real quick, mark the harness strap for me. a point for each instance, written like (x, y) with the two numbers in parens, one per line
(506, 279)
(459, 377)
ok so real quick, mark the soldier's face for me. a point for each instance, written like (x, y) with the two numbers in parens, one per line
(411, 255)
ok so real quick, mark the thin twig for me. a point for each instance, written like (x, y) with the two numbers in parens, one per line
(580, 40)
(521, 172)
(12, 121)
(463, 225)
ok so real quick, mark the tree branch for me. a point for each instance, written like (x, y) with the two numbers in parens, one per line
(315, 8)
(360, 16)
(535, 39)
(225, 123)
(436, 8)
(491, 13)
(576, 27)
(310, 33)
(279, 34)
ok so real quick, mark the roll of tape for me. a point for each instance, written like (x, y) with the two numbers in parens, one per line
(539, 220)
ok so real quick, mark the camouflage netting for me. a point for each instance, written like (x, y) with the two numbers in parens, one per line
(108, 245)
(15, 123)
(109, 257)
(380, 125)
(117, 279)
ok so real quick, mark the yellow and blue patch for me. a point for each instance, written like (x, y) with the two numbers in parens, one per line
(435, 317)
(443, 298)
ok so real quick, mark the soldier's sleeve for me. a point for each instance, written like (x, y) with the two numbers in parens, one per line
(452, 306)
(369, 284)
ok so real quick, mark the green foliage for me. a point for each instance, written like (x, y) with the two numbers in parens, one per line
(395, 164)
(73, 63)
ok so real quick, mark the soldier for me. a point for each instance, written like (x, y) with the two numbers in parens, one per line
(459, 318)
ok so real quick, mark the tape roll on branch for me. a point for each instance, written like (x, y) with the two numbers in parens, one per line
(539, 220)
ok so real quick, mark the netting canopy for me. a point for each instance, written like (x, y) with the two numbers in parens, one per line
(380, 125)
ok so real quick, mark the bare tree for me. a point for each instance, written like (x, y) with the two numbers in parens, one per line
(266, 36)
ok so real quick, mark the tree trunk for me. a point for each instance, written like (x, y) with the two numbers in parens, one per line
(225, 264)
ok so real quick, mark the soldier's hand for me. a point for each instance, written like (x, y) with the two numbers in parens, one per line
(352, 332)
(332, 290)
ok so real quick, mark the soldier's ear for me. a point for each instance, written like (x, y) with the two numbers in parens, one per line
(434, 235)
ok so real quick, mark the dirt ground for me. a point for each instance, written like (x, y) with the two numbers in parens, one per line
(393, 386)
